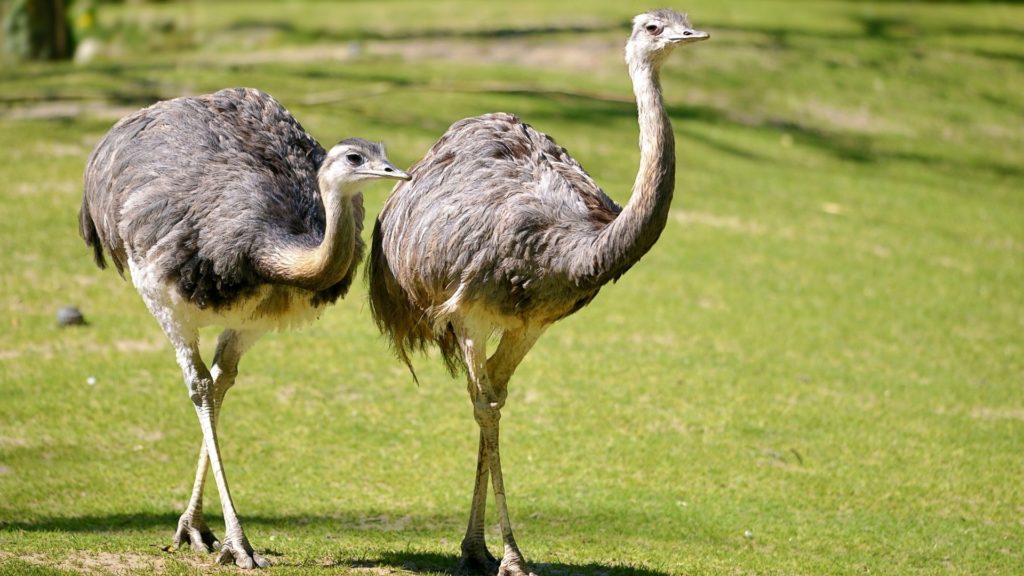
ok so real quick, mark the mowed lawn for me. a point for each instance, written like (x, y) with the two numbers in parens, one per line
(819, 369)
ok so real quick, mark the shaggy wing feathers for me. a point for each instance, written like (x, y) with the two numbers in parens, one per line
(486, 218)
(196, 184)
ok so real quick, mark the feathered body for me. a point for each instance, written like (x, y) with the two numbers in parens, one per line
(161, 176)
(501, 217)
(502, 246)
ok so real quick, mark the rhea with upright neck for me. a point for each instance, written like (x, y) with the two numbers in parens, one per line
(502, 233)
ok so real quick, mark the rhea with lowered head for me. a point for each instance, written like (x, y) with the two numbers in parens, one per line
(501, 233)
(226, 212)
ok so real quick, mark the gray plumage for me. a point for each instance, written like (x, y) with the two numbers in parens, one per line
(227, 213)
(501, 232)
(498, 211)
(210, 181)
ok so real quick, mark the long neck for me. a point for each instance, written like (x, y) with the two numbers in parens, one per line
(627, 238)
(325, 265)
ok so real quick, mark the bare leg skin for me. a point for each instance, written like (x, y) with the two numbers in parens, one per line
(476, 558)
(512, 562)
(230, 347)
(235, 547)
(488, 395)
(192, 527)
(207, 395)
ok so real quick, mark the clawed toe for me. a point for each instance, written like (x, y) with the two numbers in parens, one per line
(241, 553)
(513, 564)
(478, 560)
(514, 569)
(192, 529)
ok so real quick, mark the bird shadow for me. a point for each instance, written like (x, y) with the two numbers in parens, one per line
(432, 563)
(91, 523)
(363, 522)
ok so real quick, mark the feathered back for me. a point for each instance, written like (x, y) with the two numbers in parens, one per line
(488, 217)
(195, 185)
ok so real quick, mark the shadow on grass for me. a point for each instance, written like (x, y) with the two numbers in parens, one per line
(118, 84)
(299, 34)
(853, 147)
(112, 522)
(885, 28)
(888, 29)
(133, 85)
(582, 107)
(429, 563)
(417, 562)
(355, 521)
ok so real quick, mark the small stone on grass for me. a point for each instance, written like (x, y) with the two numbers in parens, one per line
(70, 316)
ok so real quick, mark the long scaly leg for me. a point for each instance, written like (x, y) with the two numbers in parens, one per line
(192, 527)
(476, 558)
(230, 346)
(488, 397)
(235, 546)
(204, 396)
(511, 351)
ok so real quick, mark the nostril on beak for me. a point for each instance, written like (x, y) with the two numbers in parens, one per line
(389, 169)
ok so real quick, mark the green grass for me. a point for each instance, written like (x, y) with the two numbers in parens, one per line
(824, 349)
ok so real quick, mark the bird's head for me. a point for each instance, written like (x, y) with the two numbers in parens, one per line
(354, 161)
(657, 33)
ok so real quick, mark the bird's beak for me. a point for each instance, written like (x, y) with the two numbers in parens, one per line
(689, 36)
(386, 170)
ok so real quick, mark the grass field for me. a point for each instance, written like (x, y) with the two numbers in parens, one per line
(818, 370)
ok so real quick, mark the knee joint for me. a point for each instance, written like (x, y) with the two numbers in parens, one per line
(486, 413)
(200, 390)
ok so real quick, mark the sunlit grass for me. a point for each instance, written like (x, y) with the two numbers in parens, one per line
(816, 371)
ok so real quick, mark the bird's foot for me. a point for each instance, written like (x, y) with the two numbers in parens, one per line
(192, 530)
(514, 565)
(239, 551)
(477, 559)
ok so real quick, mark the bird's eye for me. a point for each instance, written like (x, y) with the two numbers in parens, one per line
(653, 29)
(354, 159)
